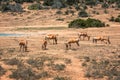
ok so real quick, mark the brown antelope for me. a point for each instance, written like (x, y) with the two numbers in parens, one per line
(23, 44)
(52, 37)
(44, 45)
(104, 39)
(84, 35)
(70, 41)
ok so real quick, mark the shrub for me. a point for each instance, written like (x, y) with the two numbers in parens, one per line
(3, 7)
(21, 1)
(58, 67)
(83, 13)
(80, 23)
(2, 71)
(117, 19)
(11, 7)
(48, 2)
(68, 61)
(87, 59)
(118, 5)
(36, 6)
(13, 61)
(90, 2)
(105, 5)
(77, 7)
(71, 2)
(58, 12)
(42, 74)
(35, 63)
(58, 4)
(59, 78)
(112, 19)
(105, 11)
(23, 74)
(94, 23)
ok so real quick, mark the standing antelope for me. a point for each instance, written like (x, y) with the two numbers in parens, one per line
(70, 41)
(104, 39)
(84, 35)
(52, 37)
(23, 45)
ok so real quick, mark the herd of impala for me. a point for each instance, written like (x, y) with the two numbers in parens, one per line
(82, 35)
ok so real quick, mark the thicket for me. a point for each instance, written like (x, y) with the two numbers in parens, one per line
(80, 23)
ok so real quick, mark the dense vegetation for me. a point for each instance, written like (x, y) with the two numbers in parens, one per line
(80, 23)
(63, 3)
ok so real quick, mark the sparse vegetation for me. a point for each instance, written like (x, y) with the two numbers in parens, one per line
(36, 63)
(60, 78)
(100, 68)
(13, 61)
(23, 74)
(42, 28)
(58, 67)
(2, 71)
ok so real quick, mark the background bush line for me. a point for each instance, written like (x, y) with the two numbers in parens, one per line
(78, 4)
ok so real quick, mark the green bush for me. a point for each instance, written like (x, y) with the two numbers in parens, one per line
(117, 19)
(112, 19)
(3, 7)
(83, 13)
(105, 5)
(80, 23)
(36, 6)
